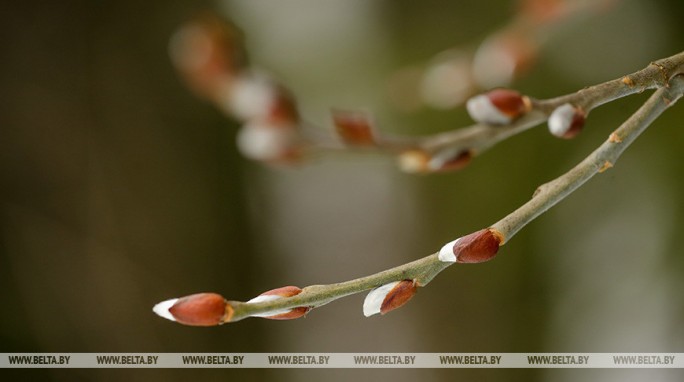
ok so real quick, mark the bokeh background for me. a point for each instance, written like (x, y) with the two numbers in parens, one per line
(119, 189)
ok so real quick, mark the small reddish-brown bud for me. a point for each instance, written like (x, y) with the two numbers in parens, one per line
(354, 128)
(476, 247)
(389, 297)
(207, 52)
(450, 161)
(202, 309)
(284, 109)
(566, 121)
(498, 106)
(418, 161)
(284, 314)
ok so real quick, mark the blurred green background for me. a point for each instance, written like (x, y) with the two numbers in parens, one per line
(120, 189)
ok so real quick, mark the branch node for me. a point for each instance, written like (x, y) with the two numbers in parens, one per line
(606, 165)
(627, 80)
(663, 71)
(614, 138)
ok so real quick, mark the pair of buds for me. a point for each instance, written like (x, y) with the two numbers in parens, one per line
(504, 106)
(209, 54)
(210, 309)
(476, 247)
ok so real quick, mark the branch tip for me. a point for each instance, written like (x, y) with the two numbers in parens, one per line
(201, 309)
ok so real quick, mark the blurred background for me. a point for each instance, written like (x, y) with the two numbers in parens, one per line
(120, 189)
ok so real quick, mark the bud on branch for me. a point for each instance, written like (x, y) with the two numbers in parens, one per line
(477, 247)
(283, 314)
(389, 297)
(202, 309)
(566, 121)
(498, 107)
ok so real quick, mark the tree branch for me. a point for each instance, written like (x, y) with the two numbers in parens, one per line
(476, 247)
(603, 158)
(274, 132)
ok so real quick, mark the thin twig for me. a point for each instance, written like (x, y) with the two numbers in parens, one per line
(603, 158)
(479, 137)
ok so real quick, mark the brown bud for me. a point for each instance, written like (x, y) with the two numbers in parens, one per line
(207, 52)
(566, 121)
(274, 294)
(286, 291)
(509, 102)
(398, 296)
(476, 247)
(202, 309)
(284, 109)
(389, 297)
(354, 128)
(498, 106)
(453, 161)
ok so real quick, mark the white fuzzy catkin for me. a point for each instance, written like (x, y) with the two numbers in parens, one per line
(261, 141)
(264, 298)
(251, 96)
(446, 254)
(482, 110)
(561, 119)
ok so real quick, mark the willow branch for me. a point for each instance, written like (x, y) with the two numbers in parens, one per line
(209, 54)
(603, 158)
(482, 136)
(397, 285)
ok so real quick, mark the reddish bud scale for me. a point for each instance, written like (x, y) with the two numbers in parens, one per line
(576, 126)
(284, 110)
(287, 291)
(458, 162)
(354, 129)
(202, 309)
(509, 102)
(478, 247)
(399, 295)
(498, 106)
(207, 51)
(291, 315)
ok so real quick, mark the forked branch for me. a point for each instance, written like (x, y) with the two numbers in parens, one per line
(394, 287)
